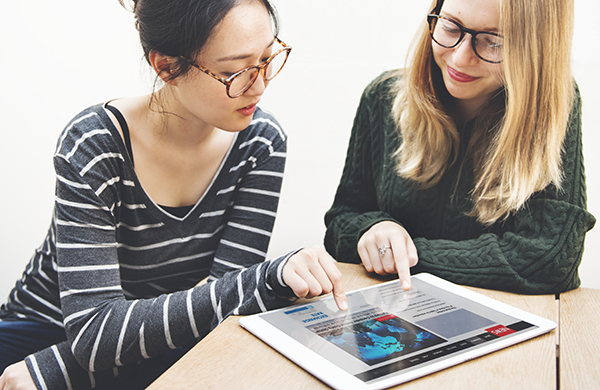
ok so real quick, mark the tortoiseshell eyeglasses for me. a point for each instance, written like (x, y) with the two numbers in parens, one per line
(241, 81)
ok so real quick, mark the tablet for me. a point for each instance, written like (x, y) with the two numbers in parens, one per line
(390, 336)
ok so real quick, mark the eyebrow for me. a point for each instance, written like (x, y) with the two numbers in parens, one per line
(237, 57)
(457, 20)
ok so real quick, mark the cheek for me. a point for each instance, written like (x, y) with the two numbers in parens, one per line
(442, 57)
(496, 72)
(209, 94)
(437, 54)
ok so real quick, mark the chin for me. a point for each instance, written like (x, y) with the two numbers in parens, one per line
(237, 127)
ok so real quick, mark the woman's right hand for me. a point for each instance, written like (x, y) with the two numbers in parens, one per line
(387, 248)
(312, 272)
(16, 377)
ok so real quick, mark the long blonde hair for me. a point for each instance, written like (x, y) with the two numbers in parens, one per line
(517, 144)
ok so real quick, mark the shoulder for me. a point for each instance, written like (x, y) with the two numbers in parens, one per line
(264, 132)
(90, 137)
(574, 127)
(266, 125)
(385, 85)
(90, 124)
(576, 105)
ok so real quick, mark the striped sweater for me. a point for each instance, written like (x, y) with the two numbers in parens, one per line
(119, 273)
(537, 250)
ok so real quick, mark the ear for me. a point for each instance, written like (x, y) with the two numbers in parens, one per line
(164, 66)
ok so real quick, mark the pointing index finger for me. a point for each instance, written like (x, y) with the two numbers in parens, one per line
(335, 276)
(400, 252)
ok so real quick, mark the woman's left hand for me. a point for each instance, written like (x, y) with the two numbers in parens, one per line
(387, 248)
(16, 377)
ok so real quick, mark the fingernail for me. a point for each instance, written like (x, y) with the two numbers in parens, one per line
(405, 285)
(344, 305)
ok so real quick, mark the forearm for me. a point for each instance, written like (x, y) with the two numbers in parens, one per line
(345, 230)
(137, 330)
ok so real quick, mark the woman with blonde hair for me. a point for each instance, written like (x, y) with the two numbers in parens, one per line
(468, 163)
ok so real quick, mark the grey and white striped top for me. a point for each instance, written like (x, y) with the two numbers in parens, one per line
(118, 272)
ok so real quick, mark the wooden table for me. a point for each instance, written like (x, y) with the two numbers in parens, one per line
(579, 360)
(232, 358)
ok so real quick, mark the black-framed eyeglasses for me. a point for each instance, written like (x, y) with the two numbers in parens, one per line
(447, 33)
(243, 80)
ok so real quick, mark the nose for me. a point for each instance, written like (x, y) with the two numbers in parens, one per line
(463, 53)
(259, 86)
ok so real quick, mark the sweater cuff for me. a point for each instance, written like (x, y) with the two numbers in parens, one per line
(348, 241)
(367, 220)
(275, 281)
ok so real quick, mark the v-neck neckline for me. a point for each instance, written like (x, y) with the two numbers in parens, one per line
(156, 210)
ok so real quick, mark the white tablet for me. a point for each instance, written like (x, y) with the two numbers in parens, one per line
(390, 336)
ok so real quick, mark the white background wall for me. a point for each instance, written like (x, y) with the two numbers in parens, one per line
(57, 58)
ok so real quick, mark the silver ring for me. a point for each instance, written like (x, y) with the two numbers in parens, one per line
(382, 250)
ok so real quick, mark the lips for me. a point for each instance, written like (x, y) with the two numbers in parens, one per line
(460, 77)
(248, 110)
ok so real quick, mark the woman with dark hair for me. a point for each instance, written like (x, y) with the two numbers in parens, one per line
(154, 194)
(468, 163)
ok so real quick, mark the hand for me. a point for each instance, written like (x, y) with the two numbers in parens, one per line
(399, 254)
(312, 272)
(16, 377)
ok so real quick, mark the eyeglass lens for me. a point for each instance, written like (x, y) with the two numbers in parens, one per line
(243, 81)
(448, 34)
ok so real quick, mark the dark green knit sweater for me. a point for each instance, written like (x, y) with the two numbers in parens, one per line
(536, 250)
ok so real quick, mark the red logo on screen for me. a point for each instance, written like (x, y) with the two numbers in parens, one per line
(385, 318)
(500, 330)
